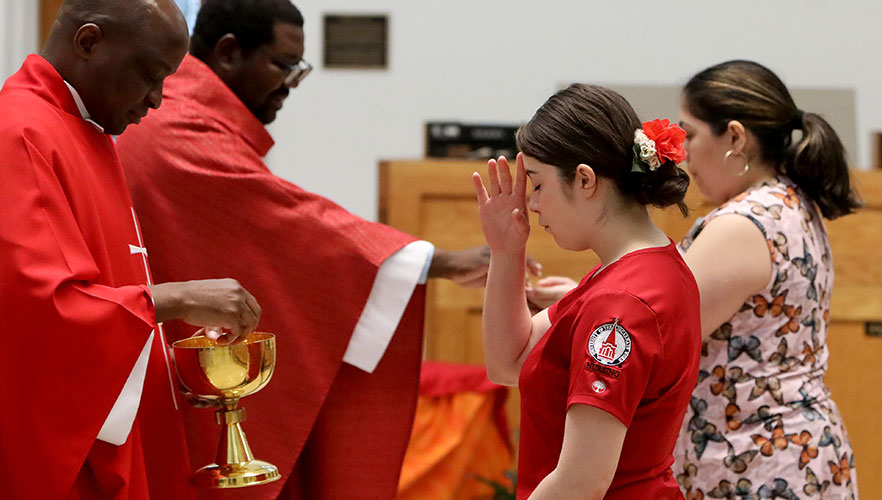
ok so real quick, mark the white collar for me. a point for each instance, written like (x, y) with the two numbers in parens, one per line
(82, 107)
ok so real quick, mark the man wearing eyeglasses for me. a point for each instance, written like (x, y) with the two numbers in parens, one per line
(344, 295)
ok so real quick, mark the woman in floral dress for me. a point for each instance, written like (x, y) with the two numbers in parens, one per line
(761, 422)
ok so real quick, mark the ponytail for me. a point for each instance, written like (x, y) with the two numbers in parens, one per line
(816, 163)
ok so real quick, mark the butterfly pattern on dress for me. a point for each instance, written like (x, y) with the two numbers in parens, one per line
(733, 417)
(812, 321)
(726, 383)
(764, 416)
(684, 479)
(789, 197)
(778, 245)
(702, 432)
(773, 211)
(770, 385)
(777, 440)
(810, 354)
(812, 485)
(807, 404)
(784, 361)
(738, 463)
(777, 489)
(830, 439)
(792, 324)
(763, 306)
(809, 451)
(842, 470)
(807, 219)
(741, 490)
(761, 424)
(780, 278)
(738, 345)
(808, 268)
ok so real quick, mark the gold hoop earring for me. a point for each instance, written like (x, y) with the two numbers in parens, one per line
(746, 166)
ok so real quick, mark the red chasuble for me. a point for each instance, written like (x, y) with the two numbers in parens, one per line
(76, 309)
(211, 208)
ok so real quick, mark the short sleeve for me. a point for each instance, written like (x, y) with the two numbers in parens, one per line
(616, 351)
(552, 312)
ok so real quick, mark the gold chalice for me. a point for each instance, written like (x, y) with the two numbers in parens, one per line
(225, 373)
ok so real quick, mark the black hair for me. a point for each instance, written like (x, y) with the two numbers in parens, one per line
(595, 126)
(753, 95)
(251, 21)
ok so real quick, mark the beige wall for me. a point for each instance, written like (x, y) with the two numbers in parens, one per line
(18, 33)
(836, 105)
(496, 61)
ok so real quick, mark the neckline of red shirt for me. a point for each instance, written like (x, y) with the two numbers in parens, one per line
(598, 269)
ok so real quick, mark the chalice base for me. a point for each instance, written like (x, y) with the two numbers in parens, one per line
(239, 475)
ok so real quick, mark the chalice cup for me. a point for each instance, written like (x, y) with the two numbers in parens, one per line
(223, 374)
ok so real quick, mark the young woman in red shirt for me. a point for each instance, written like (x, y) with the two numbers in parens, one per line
(605, 374)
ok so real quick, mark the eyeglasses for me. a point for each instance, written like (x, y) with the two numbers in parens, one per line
(294, 73)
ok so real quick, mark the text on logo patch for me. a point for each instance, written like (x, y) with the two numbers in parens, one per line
(609, 344)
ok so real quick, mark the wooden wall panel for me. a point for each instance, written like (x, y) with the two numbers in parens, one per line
(48, 11)
(433, 199)
(856, 241)
(855, 381)
(855, 365)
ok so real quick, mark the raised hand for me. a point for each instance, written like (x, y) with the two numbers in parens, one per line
(503, 209)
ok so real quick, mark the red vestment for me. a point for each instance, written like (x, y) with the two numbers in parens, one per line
(76, 309)
(211, 208)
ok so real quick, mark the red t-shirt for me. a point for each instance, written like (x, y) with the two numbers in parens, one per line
(626, 340)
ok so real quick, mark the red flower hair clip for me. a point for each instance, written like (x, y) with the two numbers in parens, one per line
(658, 142)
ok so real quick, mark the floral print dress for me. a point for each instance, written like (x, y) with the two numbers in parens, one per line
(761, 423)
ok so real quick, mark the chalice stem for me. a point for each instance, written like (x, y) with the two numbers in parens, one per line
(233, 447)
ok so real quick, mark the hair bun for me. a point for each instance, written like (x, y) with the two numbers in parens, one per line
(663, 187)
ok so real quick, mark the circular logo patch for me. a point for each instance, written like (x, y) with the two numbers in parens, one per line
(610, 344)
(599, 387)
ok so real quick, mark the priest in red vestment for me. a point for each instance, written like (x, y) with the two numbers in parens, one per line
(91, 408)
(344, 295)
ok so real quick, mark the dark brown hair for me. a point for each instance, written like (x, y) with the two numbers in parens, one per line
(251, 21)
(595, 126)
(751, 94)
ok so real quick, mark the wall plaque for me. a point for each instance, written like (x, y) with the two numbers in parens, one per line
(356, 41)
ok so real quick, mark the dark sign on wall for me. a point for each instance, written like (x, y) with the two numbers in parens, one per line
(471, 141)
(356, 41)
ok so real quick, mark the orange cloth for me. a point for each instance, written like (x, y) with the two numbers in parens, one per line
(460, 432)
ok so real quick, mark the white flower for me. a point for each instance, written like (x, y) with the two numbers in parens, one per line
(648, 154)
(640, 137)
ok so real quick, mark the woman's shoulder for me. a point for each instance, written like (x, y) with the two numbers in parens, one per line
(773, 200)
(766, 194)
(647, 274)
(776, 207)
(607, 301)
